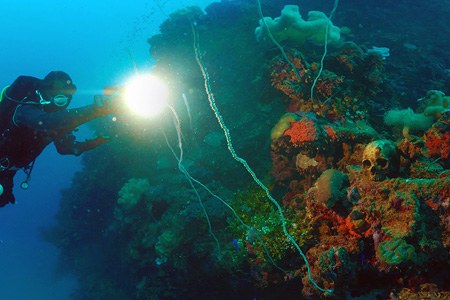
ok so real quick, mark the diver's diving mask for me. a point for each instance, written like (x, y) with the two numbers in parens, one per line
(59, 100)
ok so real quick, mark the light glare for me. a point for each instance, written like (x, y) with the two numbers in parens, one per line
(146, 95)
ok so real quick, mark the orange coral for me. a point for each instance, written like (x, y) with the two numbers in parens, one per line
(346, 61)
(331, 132)
(438, 144)
(328, 85)
(437, 138)
(302, 131)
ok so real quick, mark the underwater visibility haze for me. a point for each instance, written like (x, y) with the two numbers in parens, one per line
(303, 153)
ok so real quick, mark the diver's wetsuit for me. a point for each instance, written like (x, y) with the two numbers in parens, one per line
(31, 126)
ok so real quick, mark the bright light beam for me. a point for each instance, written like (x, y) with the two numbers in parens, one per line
(146, 95)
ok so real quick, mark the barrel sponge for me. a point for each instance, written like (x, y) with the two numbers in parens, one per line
(292, 28)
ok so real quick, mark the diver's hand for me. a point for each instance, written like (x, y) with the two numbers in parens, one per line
(97, 141)
(80, 147)
(108, 104)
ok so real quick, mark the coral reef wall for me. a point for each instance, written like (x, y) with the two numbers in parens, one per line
(367, 203)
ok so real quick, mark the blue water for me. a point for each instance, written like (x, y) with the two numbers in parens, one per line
(97, 43)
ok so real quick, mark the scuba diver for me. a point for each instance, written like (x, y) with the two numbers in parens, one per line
(33, 114)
